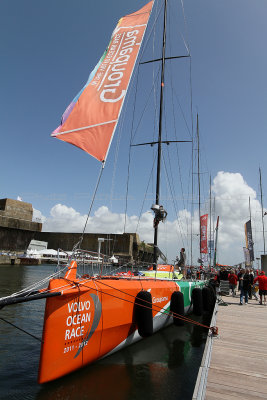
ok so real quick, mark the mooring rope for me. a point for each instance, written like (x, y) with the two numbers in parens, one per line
(22, 330)
(157, 308)
(154, 308)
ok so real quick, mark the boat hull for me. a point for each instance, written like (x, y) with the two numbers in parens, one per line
(96, 317)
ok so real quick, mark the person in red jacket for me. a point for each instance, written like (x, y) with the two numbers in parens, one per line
(232, 278)
(262, 279)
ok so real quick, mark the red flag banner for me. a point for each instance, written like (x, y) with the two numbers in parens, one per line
(203, 233)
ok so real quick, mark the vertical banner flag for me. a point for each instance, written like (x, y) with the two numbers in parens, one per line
(249, 240)
(247, 256)
(211, 248)
(203, 233)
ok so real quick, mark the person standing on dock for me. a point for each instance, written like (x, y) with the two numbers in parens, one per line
(262, 279)
(232, 278)
(251, 273)
(244, 282)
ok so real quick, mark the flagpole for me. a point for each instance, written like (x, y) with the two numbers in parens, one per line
(262, 215)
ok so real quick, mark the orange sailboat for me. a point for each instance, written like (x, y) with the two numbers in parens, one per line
(88, 317)
(91, 317)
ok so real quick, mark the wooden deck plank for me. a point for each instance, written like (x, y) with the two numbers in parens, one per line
(240, 380)
(236, 391)
(238, 367)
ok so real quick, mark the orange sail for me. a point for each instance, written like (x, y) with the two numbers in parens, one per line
(90, 120)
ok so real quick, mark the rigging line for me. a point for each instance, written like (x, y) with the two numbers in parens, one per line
(119, 134)
(174, 204)
(182, 112)
(192, 152)
(168, 153)
(176, 147)
(136, 73)
(149, 180)
(156, 117)
(146, 105)
(20, 329)
(179, 104)
(187, 127)
(42, 291)
(153, 88)
(180, 33)
(154, 308)
(203, 152)
(185, 44)
(78, 244)
(34, 285)
(158, 11)
(129, 156)
(186, 28)
(189, 200)
(172, 188)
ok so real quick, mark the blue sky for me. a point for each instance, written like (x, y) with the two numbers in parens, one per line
(47, 52)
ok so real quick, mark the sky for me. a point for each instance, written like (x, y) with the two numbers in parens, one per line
(48, 50)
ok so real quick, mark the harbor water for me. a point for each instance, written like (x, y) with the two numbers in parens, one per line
(164, 366)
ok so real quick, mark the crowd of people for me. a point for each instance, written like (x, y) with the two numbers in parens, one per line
(248, 282)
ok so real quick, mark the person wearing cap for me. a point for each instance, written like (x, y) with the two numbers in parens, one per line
(262, 279)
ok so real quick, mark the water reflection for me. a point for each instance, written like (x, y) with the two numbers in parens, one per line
(161, 367)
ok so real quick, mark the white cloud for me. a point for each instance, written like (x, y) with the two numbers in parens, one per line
(232, 195)
(38, 216)
(64, 219)
(232, 205)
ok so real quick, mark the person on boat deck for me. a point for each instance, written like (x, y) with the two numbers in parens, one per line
(232, 278)
(262, 279)
(244, 282)
(188, 273)
(182, 260)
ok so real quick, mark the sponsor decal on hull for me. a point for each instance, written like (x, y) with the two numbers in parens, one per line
(78, 319)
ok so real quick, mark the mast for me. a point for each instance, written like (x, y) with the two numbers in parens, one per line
(192, 200)
(160, 129)
(262, 215)
(210, 222)
(198, 176)
(216, 241)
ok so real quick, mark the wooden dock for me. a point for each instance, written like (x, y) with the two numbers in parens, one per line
(237, 365)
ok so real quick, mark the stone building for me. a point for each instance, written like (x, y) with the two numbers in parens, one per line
(125, 246)
(17, 228)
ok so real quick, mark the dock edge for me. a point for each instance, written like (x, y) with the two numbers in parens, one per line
(201, 382)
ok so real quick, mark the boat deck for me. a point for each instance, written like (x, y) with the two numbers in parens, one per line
(238, 365)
